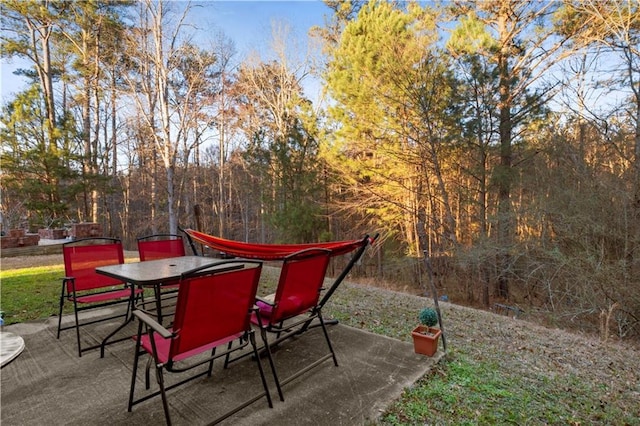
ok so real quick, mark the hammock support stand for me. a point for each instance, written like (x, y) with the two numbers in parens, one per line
(280, 251)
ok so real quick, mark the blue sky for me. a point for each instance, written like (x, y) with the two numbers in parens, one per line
(247, 23)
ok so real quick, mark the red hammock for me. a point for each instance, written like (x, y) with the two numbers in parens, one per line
(271, 251)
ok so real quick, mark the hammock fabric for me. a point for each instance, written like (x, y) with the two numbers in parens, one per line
(270, 251)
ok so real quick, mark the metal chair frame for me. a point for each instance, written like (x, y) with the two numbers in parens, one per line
(165, 345)
(88, 290)
(300, 283)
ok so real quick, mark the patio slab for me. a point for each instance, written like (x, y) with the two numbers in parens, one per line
(49, 384)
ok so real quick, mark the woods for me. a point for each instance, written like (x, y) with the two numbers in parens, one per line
(501, 139)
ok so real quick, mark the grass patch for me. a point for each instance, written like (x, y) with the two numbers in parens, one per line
(31, 293)
(466, 391)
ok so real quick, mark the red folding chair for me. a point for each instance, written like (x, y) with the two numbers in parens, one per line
(214, 308)
(90, 290)
(162, 246)
(294, 305)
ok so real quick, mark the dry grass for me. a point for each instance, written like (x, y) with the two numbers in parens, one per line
(572, 378)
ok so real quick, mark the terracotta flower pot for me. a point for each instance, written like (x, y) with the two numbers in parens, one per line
(425, 339)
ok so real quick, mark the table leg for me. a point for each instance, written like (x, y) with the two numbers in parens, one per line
(158, 294)
(128, 318)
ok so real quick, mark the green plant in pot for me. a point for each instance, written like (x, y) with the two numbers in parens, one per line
(425, 336)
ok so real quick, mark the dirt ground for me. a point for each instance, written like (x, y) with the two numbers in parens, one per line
(18, 262)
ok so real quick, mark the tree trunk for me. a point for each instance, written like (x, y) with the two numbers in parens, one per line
(635, 249)
(504, 172)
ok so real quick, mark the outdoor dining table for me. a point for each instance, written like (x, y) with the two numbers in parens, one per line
(154, 273)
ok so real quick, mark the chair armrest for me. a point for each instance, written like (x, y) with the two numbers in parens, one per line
(69, 280)
(269, 299)
(149, 321)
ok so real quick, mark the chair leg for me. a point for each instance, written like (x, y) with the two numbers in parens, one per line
(280, 327)
(75, 311)
(136, 358)
(326, 336)
(263, 334)
(147, 373)
(165, 404)
(228, 356)
(252, 339)
(60, 311)
(213, 352)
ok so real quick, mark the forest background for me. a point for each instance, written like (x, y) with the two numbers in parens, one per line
(494, 145)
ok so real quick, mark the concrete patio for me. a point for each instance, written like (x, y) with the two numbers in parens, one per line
(49, 384)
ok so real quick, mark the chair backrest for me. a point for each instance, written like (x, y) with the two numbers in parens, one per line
(213, 305)
(160, 246)
(81, 257)
(300, 283)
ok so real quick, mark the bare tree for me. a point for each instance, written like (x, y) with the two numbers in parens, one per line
(157, 59)
(280, 129)
(613, 28)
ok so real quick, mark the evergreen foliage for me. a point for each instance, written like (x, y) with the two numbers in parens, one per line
(428, 317)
